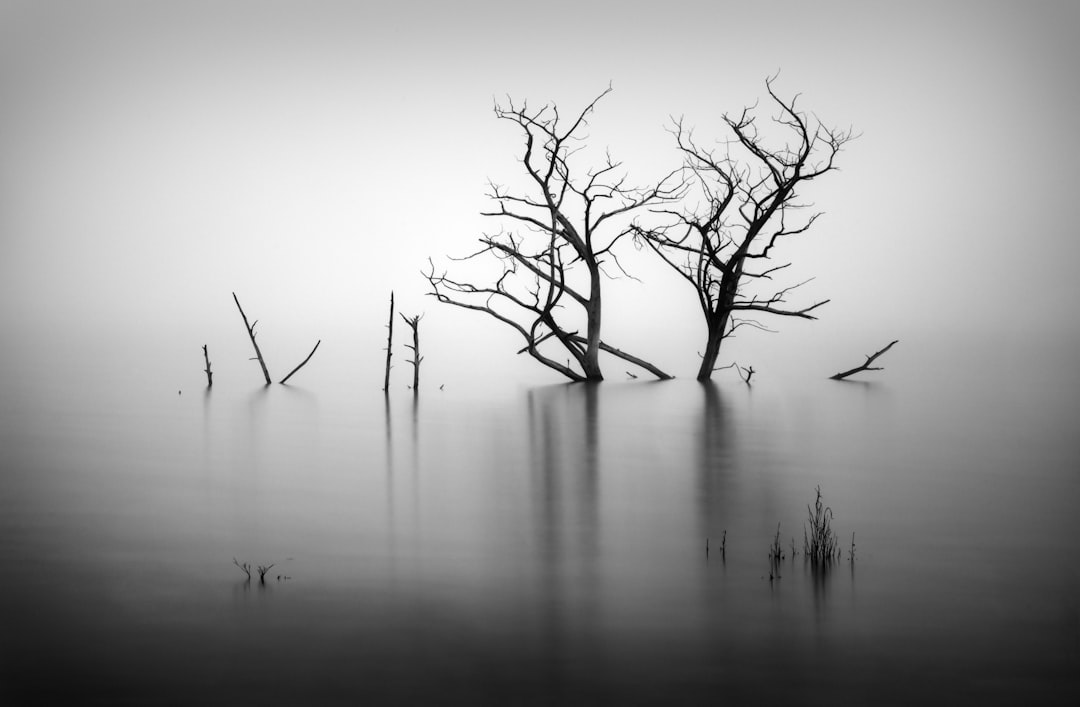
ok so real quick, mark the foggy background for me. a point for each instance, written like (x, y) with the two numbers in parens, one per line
(155, 157)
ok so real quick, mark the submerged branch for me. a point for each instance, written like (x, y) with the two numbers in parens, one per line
(866, 366)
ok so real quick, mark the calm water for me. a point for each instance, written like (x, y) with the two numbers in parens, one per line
(541, 545)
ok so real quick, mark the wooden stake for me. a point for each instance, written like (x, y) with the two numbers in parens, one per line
(389, 344)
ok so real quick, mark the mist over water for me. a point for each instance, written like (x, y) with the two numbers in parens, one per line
(538, 544)
(501, 538)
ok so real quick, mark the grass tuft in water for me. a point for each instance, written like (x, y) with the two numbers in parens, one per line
(819, 540)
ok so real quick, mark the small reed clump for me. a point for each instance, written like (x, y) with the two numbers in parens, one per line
(819, 540)
(776, 553)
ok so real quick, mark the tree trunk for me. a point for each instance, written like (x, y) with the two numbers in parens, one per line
(591, 364)
(717, 323)
(717, 319)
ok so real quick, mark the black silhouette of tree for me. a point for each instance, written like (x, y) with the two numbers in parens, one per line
(558, 237)
(748, 189)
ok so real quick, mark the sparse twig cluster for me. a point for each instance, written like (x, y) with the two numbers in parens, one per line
(776, 552)
(723, 545)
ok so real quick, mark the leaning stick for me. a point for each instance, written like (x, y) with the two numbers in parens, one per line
(302, 362)
(251, 332)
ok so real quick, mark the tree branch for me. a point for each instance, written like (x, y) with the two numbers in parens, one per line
(866, 366)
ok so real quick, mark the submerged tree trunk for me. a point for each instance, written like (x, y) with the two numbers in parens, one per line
(716, 326)
(251, 333)
(717, 318)
(590, 364)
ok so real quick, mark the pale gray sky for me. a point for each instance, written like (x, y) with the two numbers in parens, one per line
(156, 156)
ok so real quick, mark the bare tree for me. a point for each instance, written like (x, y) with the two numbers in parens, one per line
(245, 568)
(263, 569)
(563, 228)
(748, 189)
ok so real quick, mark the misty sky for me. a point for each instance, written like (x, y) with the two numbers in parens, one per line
(156, 156)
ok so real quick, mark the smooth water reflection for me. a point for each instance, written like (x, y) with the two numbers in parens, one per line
(547, 547)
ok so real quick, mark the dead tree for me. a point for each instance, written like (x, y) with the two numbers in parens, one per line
(748, 190)
(389, 344)
(414, 324)
(263, 569)
(301, 363)
(251, 333)
(866, 366)
(209, 373)
(569, 222)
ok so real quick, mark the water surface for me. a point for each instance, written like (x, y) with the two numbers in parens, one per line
(539, 545)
